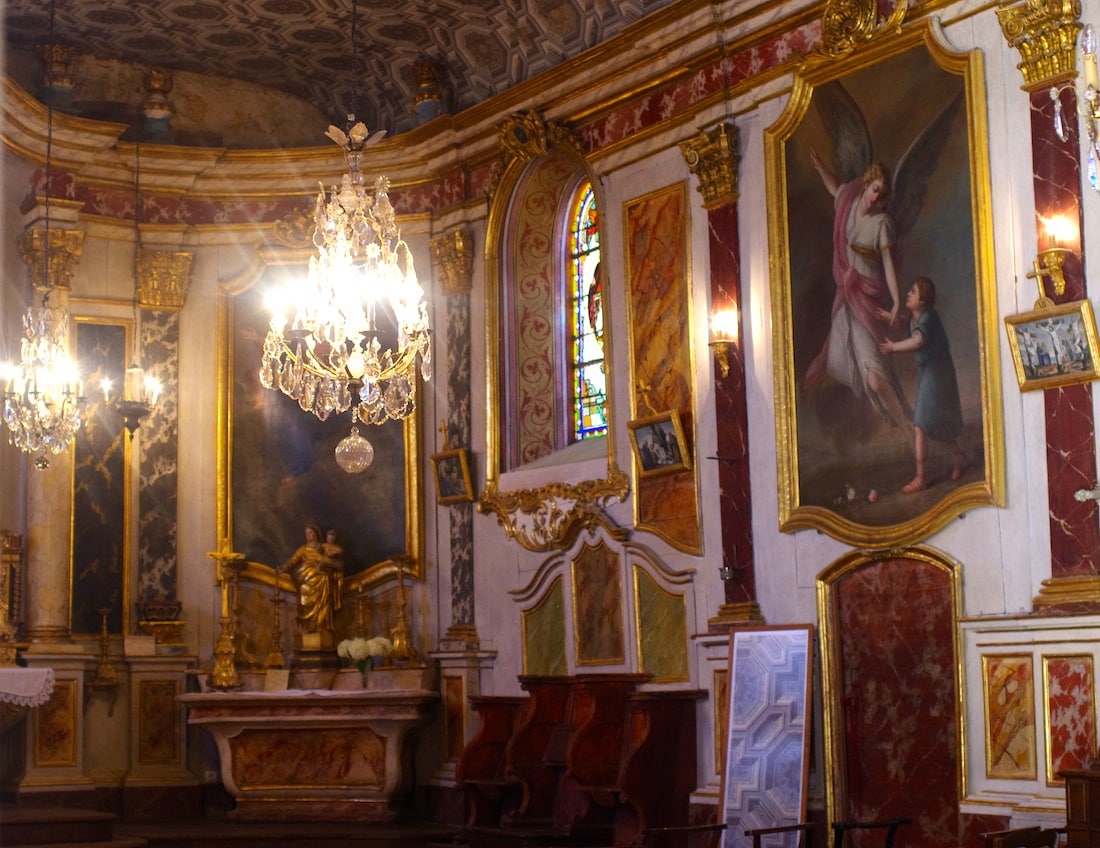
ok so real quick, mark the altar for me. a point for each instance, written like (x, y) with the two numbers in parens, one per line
(314, 755)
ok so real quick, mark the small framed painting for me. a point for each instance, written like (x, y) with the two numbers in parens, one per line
(658, 443)
(452, 477)
(1054, 345)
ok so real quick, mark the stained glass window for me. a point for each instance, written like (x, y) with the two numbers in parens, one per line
(588, 386)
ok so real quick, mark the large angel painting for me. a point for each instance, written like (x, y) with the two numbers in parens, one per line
(881, 370)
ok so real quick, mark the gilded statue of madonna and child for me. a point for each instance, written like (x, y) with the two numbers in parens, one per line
(317, 569)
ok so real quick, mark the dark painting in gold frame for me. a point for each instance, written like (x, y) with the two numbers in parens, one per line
(844, 461)
(1054, 346)
(276, 466)
(452, 477)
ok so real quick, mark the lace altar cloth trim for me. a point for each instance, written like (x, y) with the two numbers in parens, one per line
(26, 687)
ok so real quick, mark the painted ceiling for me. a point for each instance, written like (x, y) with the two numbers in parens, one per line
(304, 47)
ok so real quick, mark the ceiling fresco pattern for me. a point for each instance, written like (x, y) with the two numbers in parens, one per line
(304, 47)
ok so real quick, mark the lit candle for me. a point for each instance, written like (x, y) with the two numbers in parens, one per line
(1088, 56)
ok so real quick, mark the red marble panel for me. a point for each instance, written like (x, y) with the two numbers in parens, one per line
(731, 413)
(896, 624)
(352, 756)
(1071, 449)
(1070, 685)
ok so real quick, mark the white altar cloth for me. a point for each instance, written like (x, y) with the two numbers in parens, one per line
(25, 687)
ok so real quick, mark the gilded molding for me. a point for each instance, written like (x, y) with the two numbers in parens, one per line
(65, 249)
(712, 156)
(163, 278)
(1075, 589)
(551, 517)
(1045, 34)
(734, 615)
(846, 24)
(294, 229)
(453, 257)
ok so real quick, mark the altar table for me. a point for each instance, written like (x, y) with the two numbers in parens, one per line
(314, 755)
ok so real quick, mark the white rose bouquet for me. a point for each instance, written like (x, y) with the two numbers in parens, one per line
(359, 650)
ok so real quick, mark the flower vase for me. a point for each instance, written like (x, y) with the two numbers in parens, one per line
(349, 679)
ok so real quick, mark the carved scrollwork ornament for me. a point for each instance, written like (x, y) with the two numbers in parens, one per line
(295, 229)
(550, 518)
(525, 136)
(712, 156)
(846, 24)
(1045, 34)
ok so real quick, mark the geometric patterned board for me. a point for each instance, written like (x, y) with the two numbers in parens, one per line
(764, 784)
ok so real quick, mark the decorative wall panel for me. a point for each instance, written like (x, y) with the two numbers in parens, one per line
(893, 698)
(661, 357)
(1069, 691)
(55, 727)
(598, 606)
(662, 629)
(544, 633)
(1009, 716)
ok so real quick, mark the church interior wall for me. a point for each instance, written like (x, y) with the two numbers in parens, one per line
(1004, 552)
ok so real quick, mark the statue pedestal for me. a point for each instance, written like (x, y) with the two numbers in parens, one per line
(310, 755)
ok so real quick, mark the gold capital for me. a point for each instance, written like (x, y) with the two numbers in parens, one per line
(164, 277)
(65, 247)
(453, 257)
(712, 156)
(1045, 33)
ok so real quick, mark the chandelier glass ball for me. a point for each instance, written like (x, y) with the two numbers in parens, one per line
(354, 453)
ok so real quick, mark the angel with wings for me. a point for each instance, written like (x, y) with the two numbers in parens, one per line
(873, 210)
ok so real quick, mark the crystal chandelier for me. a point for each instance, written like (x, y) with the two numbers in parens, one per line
(354, 333)
(44, 401)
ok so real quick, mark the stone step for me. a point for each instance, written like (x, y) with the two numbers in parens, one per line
(49, 827)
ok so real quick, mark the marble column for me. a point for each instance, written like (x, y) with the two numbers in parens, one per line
(163, 278)
(49, 485)
(712, 156)
(1046, 38)
(452, 255)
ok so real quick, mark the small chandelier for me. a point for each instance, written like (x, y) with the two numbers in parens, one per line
(354, 334)
(139, 390)
(44, 403)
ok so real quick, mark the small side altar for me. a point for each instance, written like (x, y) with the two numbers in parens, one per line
(314, 755)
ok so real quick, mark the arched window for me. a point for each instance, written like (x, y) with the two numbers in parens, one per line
(587, 391)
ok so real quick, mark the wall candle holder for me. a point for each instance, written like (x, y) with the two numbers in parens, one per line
(723, 335)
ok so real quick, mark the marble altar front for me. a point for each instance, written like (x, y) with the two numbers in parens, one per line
(314, 755)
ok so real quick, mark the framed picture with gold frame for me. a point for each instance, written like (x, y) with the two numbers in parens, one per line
(658, 443)
(452, 477)
(883, 146)
(1054, 345)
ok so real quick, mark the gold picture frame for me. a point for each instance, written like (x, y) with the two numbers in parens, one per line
(1054, 345)
(659, 445)
(452, 477)
(845, 442)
